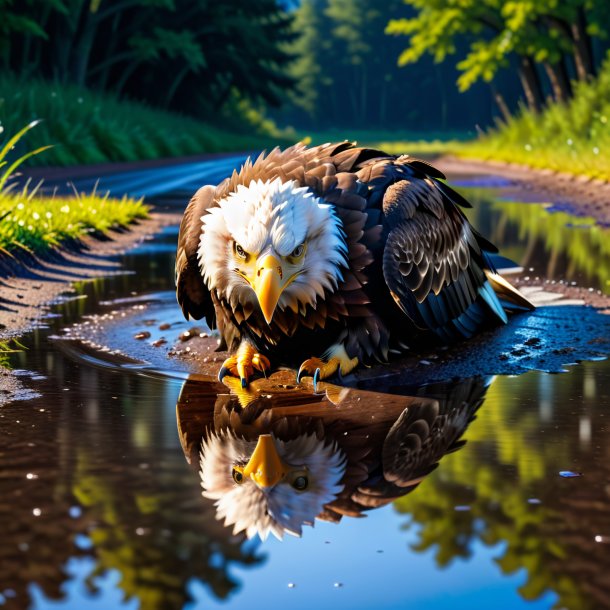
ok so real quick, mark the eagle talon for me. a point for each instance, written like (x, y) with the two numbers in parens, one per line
(224, 371)
(316, 378)
(244, 364)
(321, 369)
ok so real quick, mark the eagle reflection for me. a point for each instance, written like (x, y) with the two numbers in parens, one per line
(275, 457)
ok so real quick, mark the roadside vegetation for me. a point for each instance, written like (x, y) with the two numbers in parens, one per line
(124, 80)
(571, 137)
(91, 127)
(30, 222)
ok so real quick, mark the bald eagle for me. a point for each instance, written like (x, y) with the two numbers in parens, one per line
(326, 257)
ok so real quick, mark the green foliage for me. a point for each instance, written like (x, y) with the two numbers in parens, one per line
(187, 55)
(36, 224)
(347, 76)
(87, 127)
(6, 348)
(572, 138)
(498, 31)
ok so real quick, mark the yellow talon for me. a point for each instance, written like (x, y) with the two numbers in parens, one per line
(323, 369)
(244, 363)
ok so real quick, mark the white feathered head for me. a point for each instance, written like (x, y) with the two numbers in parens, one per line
(268, 485)
(273, 244)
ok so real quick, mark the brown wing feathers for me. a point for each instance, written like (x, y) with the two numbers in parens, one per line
(193, 296)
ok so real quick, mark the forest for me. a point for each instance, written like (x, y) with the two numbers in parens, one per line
(241, 75)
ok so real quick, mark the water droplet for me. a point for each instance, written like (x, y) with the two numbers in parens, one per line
(31, 475)
(37, 512)
(291, 585)
(569, 474)
(75, 512)
(338, 585)
(604, 539)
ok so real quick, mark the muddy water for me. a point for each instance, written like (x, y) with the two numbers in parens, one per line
(100, 497)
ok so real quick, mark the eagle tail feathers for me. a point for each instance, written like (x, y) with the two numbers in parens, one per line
(509, 296)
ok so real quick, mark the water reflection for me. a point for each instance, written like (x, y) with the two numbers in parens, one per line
(87, 476)
(507, 487)
(557, 246)
(275, 457)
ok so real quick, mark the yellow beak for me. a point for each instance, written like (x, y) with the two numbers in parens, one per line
(266, 467)
(268, 284)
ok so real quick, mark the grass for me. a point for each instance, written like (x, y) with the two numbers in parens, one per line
(35, 224)
(423, 144)
(572, 138)
(6, 348)
(87, 127)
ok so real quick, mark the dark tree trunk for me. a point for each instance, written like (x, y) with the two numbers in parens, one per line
(531, 83)
(559, 79)
(501, 103)
(583, 49)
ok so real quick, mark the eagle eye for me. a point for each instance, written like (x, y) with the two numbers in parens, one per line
(238, 476)
(298, 252)
(240, 252)
(300, 482)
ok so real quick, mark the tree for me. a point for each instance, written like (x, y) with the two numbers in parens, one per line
(552, 33)
(189, 55)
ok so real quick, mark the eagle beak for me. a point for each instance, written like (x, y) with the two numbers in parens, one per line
(266, 468)
(268, 284)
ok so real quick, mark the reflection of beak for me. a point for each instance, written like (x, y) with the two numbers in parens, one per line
(268, 284)
(266, 467)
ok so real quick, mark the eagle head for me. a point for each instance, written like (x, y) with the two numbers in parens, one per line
(270, 486)
(274, 244)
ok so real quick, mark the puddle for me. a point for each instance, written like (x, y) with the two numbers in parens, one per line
(100, 494)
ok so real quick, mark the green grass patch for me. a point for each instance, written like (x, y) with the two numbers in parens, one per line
(572, 138)
(8, 347)
(87, 127)
(424, 144)
(36, 224)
